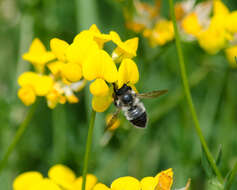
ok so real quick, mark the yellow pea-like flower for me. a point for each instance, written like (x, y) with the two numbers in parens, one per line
(126, 183)
(91, 180)
(99, 88)
(100, 186)
(62, 175)
(55, 67)
(81, 49)
(162, 33)
(191, 25)
(71, 71)
(127, 73)
(212, 40)
(101, 103)
(231, 54)
(115, 125)
(148, 183)
(26, 180)
(219, 8)
(46, 184)
(100, 65)
(27, 95)
(38, 55)
(125, 49)
(231, 22)
(165, 180)
(43, 85)
(27, 79)
(59, 47)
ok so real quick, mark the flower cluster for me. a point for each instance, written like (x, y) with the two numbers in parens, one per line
(65, 69)
(61, 177)
(147, 20)
(210, 23)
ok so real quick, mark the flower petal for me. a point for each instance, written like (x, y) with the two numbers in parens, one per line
(43, 85)
(62, 176)
(59, 47)
(27, 95)
(26, 180)
(99, 88)
(80, 50)
(55, 67)
(148, 183)
(72, 72)
(128, 73)
(91, 180)
(27, 79)
(100, 186)
(100, 65)
(45, 184)
(126, 183)
(165, 179)
(101, 103)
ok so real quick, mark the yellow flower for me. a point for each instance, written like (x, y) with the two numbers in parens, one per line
(59, 47)
(33, 85)
(46, 184)
(91, 180)
(56, 68)
(71, 71)
(162, 33)
(125, 49)
(101, 103)
(219, 8)
(231, 54)
(191, 25)
(115, 125)
(80, 50)
(94, 34)
(100, 66)
(62, 176)
(126, 183)
(26, 180)
(38, 55)
(41, 84)
(212, 40)
(165, 180)
(99, 88)
(162, 181)
(100, 186)
(231, 22)
(127, 73)
(27, 95)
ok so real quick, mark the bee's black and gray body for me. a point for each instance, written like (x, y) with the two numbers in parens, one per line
(125, 99)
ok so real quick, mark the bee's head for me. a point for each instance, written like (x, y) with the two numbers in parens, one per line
(124, 95)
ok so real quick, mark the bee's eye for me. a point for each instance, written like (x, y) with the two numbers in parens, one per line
(126, 98)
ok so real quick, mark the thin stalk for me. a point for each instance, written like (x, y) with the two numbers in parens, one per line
(20, 131)
(88, 148)
(189, 97)
(232, 177)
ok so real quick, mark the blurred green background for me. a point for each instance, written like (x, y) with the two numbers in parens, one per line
(59, 135)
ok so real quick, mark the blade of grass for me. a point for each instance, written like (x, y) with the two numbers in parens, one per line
(231, 178)
(88, 148)
(189, 97)
(20, 131)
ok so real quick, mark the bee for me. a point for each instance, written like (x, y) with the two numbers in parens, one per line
(127, 100)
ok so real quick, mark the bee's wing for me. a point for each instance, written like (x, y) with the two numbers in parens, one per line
(152, 94)
(113, 119)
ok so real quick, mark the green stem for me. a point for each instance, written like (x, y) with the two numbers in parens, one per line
(232, 177)
(189, 97)
(21, 129)
(88, 148)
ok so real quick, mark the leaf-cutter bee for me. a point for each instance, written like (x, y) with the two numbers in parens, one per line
(127, 100)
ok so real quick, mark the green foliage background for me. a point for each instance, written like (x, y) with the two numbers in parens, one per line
(59, 135)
